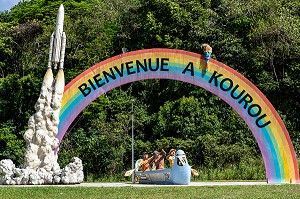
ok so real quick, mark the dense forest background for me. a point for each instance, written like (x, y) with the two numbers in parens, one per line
(258, 38)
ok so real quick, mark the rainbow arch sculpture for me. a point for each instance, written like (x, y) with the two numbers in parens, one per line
(264, 122)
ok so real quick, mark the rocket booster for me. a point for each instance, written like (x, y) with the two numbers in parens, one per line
(58, 42)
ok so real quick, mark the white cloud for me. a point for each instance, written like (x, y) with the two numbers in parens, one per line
(7, 4)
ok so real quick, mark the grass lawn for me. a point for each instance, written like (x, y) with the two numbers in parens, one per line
(67, 192)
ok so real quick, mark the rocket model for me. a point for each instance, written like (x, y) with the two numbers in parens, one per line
(58, 42)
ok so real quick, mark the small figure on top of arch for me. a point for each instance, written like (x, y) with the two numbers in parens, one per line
(207, 49)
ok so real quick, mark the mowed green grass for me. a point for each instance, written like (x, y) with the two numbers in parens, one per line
(67, 192)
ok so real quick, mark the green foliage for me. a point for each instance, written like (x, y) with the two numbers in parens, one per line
(18, 96)
(5, 46)
(216, 152)
(11, 147)
(181, 118)
(241, 171)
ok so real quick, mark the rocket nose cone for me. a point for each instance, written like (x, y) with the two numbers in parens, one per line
(60, 17)
(61, 8)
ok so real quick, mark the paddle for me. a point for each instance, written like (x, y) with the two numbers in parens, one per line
(137, 166)
(129, 172)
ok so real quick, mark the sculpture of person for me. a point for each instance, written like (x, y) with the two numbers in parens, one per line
(157, 159)
(171, 157)
(145, 163)
(207, 49)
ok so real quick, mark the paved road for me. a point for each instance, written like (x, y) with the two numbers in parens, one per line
(124, 184)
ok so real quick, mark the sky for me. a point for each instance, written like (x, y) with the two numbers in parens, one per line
(7, 4)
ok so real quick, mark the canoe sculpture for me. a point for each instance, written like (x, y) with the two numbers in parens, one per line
(179, 174)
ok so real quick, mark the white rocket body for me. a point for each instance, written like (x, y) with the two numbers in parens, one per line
(58, 42)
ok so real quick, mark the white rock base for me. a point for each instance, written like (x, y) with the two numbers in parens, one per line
(10, 175)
